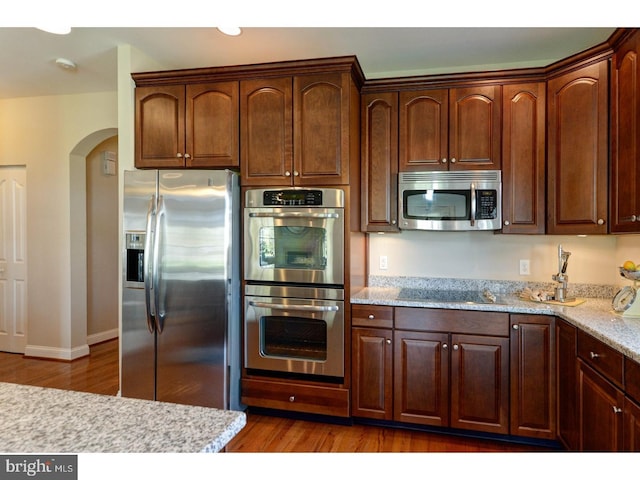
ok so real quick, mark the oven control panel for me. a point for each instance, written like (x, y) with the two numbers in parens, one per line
(303, 198)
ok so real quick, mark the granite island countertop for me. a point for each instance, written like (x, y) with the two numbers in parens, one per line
(595, 316)
(39, 420)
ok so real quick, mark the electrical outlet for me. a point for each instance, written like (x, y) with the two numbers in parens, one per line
(383, 262)
(525, 267)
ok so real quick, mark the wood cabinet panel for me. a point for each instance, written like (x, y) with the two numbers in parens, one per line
(266, 124)
(632, 379)
(421, 378)
(372, 362)
(480, 383)
(631, 428)
(296, 397)
(577, 153)
(567, 384)
(625, 138)
(475, 123)
(533, 376)
(523, 158)
(600, 412)
(212, 112)
(454, 321)
(159, 124)
(379, 157)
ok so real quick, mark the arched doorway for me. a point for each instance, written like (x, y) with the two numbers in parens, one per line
(78, 235)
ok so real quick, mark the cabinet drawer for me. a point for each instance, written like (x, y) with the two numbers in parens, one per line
(454, 321)
(632, 379)
(296, 397)
(371, 316)
(601, 357)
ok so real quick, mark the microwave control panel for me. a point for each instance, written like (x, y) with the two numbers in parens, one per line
(487, 204)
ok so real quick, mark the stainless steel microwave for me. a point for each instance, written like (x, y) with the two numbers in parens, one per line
(450, 201)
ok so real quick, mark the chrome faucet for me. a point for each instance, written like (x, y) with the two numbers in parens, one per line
(561, 277)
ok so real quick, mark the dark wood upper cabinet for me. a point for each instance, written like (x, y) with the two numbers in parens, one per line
(523, 158)
(577, 153)
(379, 162)
(625, 137)
(450, 129)
(192, 126)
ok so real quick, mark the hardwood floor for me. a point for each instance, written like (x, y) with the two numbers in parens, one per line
(98, 373)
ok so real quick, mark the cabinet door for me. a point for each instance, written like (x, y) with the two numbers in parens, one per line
(523, 158)
(625, 138)
(480, 383)
(631, 428)
(578, 151)
(533, 376)
(421, 378)
(424, 130)
(379, 162)
(212, 125)
(266, 125)
(567, 384)
(600, 412)
(372, 356)
(321, 119)
(159, 124)
(475, 125)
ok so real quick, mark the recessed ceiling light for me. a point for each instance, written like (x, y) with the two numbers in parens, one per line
(231, 31)
(57, 29)
(66, 64)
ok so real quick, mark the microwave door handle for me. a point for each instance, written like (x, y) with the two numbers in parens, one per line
(293, 215)
(473, 204)
(148, 264)
(306, 308)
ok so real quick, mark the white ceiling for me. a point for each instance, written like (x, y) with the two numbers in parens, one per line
(28, 55)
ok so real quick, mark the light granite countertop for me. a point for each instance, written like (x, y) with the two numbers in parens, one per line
(39, 420)
(595, 316)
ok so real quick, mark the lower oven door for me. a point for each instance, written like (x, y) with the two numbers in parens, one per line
(294, 335)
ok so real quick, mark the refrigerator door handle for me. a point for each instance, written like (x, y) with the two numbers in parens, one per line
(148, 284)
(157, 274)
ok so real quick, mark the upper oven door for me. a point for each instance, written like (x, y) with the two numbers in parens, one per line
(294, 245)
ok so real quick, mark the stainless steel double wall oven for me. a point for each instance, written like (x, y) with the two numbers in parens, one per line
(294, 289)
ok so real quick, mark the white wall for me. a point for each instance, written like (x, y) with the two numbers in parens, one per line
(485, 255)
(43, 133)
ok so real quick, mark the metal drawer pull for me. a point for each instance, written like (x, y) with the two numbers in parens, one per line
(292, 398)
(388, 341)
(455, 347)
(445, 346)
(617, 409)
(593, 355)
(516, 327)
(372, 316)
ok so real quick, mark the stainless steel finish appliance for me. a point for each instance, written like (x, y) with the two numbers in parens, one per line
(451, 200)
(294, 329)
(294, 235)
(181, 291)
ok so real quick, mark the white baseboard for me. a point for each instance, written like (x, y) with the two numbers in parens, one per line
(69, 353)
(56, 353)
(102, 336)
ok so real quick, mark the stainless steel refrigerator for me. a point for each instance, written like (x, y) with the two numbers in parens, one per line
(181, 287)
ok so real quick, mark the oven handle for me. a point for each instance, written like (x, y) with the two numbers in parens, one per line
(294, 215)
(473, 204)
(306, 308)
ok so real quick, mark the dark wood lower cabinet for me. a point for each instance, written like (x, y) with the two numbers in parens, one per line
(600, 412)
(480, 383)
(421, 378)
(567, 385)
(631, 428)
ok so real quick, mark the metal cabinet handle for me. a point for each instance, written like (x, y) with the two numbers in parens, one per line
(445, 346)
(444, 160)
(453, 160)
(296, 173)
(455, 347)
(507, 223)
(178, 155)
(393, 222)
(593, 355)
(372, 316)
(187, 156)
(388, 341)
(292, 398)
(287, 173)
(516, 327)
(617, 409)
(600, 221)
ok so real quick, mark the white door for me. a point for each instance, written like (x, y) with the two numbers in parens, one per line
(13, 259)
